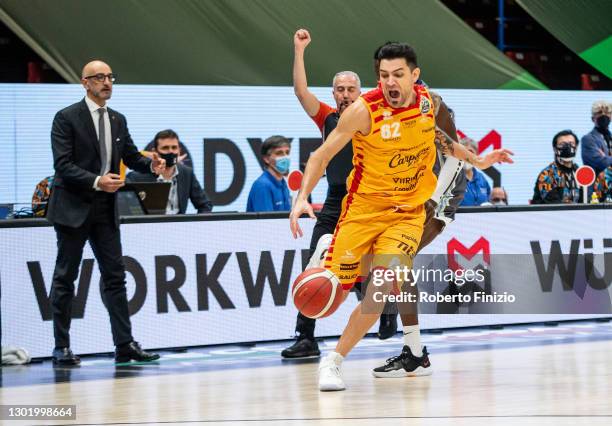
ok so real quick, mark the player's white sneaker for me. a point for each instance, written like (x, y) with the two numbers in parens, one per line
(330, 374)
(322, 246)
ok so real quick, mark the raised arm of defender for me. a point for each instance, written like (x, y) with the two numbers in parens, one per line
(309, 102)
(445, 142)
(355, 119)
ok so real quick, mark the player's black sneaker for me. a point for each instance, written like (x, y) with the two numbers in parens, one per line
(405, 365)
(302, 348)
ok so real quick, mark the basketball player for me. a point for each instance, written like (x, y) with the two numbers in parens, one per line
(440, 211)
(346, 90)
(383, 212)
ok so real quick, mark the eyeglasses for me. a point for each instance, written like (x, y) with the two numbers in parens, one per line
(101, 77)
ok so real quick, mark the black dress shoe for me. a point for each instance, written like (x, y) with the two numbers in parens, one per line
(133, 351)
(304, 347)
(388, 326)
(64, 356)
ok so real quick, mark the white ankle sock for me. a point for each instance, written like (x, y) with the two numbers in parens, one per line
(336, 357)
(412, 339)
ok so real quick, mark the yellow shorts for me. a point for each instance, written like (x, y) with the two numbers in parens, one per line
(372, 226)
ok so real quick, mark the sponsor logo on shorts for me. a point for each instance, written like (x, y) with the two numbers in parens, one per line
(347, 276)
(347, 255)
(408, 249)
(409, 238)
(349, 266)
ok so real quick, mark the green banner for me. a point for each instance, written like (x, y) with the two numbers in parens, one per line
(584, 26)
(250, 42)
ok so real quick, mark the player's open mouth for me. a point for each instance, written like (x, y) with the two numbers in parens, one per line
(394, 94)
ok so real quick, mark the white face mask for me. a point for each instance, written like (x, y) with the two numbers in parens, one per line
(468, 166)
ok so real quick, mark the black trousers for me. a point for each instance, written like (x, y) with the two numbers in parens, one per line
(105, 240)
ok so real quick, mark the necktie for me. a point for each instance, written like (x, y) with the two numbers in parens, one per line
(102, 139)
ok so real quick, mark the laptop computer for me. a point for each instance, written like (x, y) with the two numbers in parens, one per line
(129, 204)
(153, 196)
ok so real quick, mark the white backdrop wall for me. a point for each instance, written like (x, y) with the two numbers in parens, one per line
(526, 121)
(200, 258)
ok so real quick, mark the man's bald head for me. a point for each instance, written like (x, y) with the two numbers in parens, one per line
(95, 67)
(97, 78)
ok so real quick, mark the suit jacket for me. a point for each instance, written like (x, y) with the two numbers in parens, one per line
(594, 151)
(77, 162)
(187, 186)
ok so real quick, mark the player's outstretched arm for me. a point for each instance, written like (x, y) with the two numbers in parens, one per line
(309, 102)
(448, 146)
(355, 118)
(444, 120)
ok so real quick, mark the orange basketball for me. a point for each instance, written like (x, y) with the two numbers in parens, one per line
(317, 293)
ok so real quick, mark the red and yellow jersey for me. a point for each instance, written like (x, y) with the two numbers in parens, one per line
(397, 157)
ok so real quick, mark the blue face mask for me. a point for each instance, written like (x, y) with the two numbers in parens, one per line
(282, 164)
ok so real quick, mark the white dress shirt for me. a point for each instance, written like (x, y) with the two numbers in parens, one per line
(173, 202)
(95, 116)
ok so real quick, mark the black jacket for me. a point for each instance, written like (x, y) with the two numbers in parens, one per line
(187, 186)
(77, 163)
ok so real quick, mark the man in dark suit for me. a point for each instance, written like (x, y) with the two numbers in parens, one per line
(88, 141)
(597, 144)
(184, 186)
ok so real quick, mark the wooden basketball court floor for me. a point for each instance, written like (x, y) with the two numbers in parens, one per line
(519, 375)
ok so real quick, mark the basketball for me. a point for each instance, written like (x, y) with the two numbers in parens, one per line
(317, 293)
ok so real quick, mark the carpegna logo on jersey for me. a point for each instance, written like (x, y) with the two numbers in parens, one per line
(425, 105)
(407, 160)
(410, 182)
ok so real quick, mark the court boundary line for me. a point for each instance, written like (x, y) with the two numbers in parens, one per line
(519, 416)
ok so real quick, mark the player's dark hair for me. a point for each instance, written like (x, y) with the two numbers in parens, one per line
(564, 133)
(394, 50)
(164, 134)
(274, 142)
(376, 60)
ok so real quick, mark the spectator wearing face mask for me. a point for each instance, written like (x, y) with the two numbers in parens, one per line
(270, 192)
(557, 184)
(597, 144)
(478, 189)
(184, 184)
(499, 197)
